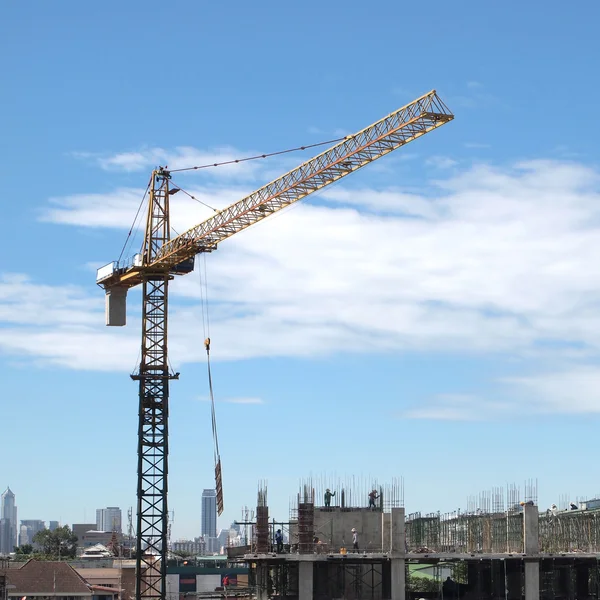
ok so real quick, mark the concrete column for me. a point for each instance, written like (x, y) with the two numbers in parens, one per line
(305, 580)
(386, 532)
(398, 531)
(262, 582)
(398, 578)
(531, 546)
(398, 548)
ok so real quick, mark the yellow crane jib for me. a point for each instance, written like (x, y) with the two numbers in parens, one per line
(176, 256)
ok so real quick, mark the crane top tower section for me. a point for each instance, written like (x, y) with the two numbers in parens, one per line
(175, 256)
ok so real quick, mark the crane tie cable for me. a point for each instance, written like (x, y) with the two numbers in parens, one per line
(134, 221)
(247, 158)
(194, 198)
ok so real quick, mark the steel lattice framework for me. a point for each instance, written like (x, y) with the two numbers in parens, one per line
(163, 258)
(153, 424)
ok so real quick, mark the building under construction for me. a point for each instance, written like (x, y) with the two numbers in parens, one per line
(496, 550)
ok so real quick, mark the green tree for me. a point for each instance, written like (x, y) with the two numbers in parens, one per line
(414, 583)
(24, 549)
(60, 543)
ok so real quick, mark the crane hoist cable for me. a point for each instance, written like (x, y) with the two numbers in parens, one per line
(215, 434)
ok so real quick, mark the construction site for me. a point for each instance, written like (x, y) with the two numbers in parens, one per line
(500, 548)
(339, 546)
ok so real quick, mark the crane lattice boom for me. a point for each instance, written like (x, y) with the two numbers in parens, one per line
(397, 129)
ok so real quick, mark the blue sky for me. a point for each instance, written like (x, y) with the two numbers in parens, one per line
(432, 317)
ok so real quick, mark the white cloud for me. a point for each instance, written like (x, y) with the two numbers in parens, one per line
(450, 407)
(181, 157)
(249, 400)
(474, 85)
(441, 162)
(476, 145)
(490, 260)
(574, 390)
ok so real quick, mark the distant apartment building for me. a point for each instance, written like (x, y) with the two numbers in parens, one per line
(80, 529)
(52, 525)
(8, 522)
(209, 514)
(108, 519)
(28, 530)
(195, 547)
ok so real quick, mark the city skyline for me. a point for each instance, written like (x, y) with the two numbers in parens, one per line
(443, 296)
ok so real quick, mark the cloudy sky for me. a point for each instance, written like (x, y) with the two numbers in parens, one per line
(432, 317)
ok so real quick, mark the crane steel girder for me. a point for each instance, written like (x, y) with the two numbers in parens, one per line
(397, 129)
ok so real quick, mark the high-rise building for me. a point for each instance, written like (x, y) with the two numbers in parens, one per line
(52, 525)
(5, 536)
(29, 529)
(108, 519)
(209, 513)
(8, 513)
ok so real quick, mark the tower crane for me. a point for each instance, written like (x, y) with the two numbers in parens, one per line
(163, 258)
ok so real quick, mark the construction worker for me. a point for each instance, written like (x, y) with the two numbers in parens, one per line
(373, 495)
(354, 540)
(279, 541)
(328, 496)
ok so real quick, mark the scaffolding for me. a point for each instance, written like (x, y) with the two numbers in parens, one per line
(570, 531)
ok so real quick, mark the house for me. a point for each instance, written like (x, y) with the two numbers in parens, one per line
(56, 580)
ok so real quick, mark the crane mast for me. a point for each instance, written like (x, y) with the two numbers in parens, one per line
(153, 417)
(162, 258)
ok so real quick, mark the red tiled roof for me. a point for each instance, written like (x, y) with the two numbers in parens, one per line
(45, 577)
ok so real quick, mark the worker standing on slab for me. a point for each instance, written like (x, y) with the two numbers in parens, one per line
(279, 541)
(354, 540)
(373, 495)
(328, 496)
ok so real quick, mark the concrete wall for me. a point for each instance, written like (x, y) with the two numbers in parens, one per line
(334, 528)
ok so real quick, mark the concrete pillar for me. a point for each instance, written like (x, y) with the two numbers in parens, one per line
(262, 581)
(398, 578)
(398, 549)
(305, 580)
(398, 531)
(531, 547)
(386, 532)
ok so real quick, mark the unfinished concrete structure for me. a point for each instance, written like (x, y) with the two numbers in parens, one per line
(505, 554)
